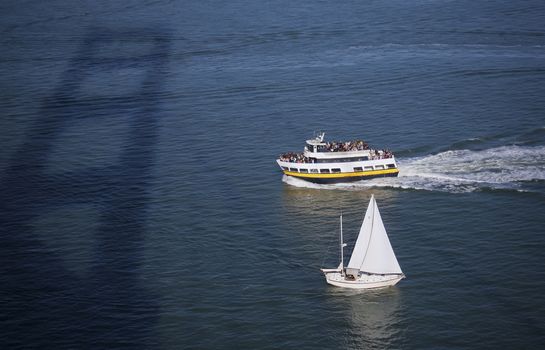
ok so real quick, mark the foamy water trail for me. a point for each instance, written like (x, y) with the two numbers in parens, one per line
(505, 167)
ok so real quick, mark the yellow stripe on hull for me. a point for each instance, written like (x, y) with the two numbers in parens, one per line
(342, 175)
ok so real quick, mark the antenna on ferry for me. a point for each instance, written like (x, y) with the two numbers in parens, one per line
(321, 136)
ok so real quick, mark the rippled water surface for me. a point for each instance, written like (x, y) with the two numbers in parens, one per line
(141, 206)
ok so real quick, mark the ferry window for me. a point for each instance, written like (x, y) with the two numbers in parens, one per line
(303, 170)
(335, 170)
(358, 168)
(313, 170)
(284, 168)
(294, 169)
(391, 166)
(324, 170)
(379, 166)
(368, 168)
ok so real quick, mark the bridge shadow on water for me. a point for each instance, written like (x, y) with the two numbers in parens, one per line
(46, 304)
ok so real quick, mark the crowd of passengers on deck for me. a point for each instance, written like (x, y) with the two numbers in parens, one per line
(349, 146)
(293, 157)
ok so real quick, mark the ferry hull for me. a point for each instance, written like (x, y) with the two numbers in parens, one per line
(316, 178)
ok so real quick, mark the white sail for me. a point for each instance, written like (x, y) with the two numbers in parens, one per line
(373, 252)
(358, 253)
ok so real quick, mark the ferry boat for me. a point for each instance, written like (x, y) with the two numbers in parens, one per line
(332, 162)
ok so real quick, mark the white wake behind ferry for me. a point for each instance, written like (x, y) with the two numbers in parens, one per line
(331, 162)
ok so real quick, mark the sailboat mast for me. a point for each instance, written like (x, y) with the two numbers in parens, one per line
(342, 246)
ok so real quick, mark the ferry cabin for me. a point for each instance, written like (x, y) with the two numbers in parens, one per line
(320, 165)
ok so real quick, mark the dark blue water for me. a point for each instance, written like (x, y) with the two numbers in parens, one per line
(141, 206)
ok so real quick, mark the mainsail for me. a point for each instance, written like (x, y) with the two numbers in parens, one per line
(373, 252)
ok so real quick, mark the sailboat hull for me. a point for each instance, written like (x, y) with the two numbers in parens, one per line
(362, 282)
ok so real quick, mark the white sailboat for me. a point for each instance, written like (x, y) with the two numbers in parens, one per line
(373, 263)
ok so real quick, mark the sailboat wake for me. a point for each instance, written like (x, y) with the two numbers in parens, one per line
(456, 171)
